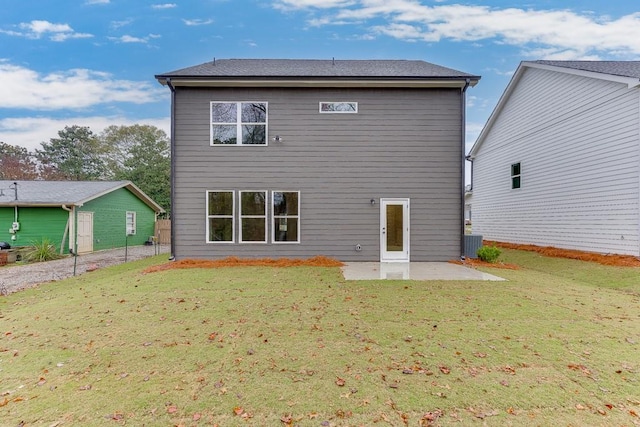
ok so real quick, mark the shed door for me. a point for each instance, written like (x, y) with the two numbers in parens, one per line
(394, 230)
(85, 232)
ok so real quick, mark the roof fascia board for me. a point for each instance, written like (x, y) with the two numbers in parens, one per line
(246, 82)
(631, 82)
(496, 111)
(131, 187)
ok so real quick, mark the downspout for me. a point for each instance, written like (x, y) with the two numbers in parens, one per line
(173, 168)
(463, 107)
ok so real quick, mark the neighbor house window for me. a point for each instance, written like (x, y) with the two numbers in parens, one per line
(238, 123)
(338, 107)
(130, 223)
(286, 216)
(220, 216)
(515, 175)
(253, 216)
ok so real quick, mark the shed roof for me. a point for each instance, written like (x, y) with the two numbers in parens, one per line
(280, 70)
(69, 193)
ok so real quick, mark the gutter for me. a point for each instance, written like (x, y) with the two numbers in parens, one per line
(463, 108)
(173, 167)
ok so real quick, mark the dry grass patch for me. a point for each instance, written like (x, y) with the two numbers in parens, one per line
(301, 346)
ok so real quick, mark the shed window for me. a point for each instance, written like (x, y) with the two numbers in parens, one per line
(286, 216)
(220, 216)
(130, 223)
(338, 107)
(238, 123)
(253, 216)
(515, 175)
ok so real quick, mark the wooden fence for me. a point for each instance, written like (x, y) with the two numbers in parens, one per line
(163, 231)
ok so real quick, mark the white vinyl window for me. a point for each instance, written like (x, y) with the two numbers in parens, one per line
(130, 223)
(220, 216)
(286, 216)
(339, 107)
(238, 123)
(253, 216)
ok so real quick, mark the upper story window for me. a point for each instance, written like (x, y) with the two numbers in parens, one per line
(515, 175)
(238, 123)
(338, 107)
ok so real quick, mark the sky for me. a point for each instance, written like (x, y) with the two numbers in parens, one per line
(92, 62)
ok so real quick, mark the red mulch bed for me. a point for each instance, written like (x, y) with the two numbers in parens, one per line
(316, 261)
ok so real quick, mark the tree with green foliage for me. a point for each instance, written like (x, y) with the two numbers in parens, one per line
(17, 163)
(77, 155)
(140, 154)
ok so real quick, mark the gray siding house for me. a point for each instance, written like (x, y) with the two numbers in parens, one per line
(558, 162)
(357, 160)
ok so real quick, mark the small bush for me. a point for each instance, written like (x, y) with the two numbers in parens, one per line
(489, 253)
(43, 250)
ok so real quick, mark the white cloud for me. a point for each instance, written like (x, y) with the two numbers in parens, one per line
(37, 29)
(30, 132)
(164, 6)
(119, 24)
(558, 33)
(195, 22)
(72, 89)
(97, 2)
(132, 39)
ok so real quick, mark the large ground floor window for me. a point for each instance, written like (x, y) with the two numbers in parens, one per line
(259, 217)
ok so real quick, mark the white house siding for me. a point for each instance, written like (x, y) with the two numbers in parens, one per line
(578, 142)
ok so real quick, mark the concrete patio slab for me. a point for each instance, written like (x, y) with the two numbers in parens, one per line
(412, 271)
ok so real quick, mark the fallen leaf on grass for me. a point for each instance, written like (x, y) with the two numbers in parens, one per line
(196, 417)
(340, 382)
(238, 410)
(481, 355)
(633, 413)
(172, 409)
(445, 370)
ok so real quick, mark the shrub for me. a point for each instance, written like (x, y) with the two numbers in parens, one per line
(43, 250)
(489, 253)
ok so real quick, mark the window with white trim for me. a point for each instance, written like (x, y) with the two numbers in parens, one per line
(339, 107)
(515, 175)
(238, 123)
(286, 216)
(130, 223)
(220, 216)
(253, 216)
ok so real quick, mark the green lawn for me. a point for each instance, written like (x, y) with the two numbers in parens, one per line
(557, 344)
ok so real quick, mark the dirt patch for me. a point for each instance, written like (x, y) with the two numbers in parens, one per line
(604, 259)
(316, 261)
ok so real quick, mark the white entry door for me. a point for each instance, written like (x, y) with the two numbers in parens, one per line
(394, 230)
(85, 232)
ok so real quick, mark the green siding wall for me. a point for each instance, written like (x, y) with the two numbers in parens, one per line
(35, 224)
(109, 219)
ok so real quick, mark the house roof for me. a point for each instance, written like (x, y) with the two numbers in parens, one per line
(613, 68)
(625, 72)
(69, 193)
(297, 72)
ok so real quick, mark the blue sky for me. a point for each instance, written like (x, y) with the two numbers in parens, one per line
(92, 62)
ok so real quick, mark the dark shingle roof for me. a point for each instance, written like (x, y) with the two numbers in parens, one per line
(298, 68)
(57, 193)
(615, 68)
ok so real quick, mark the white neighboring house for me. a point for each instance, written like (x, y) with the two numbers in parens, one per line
(558, 162)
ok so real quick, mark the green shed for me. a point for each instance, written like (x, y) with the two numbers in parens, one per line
(86, 215)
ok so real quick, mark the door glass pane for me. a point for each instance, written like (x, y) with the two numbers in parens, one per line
(394, 228)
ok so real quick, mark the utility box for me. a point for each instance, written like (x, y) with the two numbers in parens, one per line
(472, 242)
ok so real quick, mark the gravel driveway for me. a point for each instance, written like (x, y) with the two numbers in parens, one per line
(14, 277)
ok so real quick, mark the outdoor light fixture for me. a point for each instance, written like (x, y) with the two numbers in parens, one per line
(277, 138)
(373, 202)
